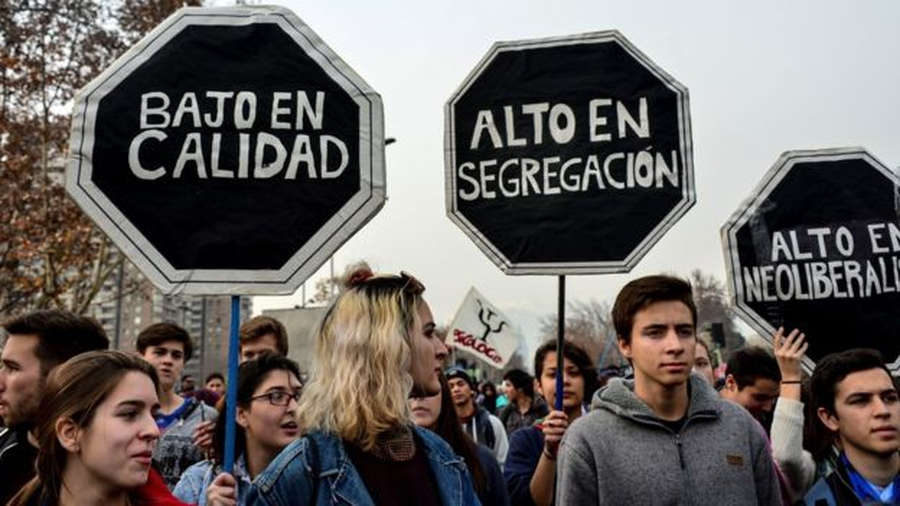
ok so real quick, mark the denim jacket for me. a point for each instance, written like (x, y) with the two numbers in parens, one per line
(288, 480)
(196, 479)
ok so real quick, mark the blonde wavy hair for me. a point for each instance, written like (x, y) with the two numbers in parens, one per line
(361, 379)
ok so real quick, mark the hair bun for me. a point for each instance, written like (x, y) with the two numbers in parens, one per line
(357, 274)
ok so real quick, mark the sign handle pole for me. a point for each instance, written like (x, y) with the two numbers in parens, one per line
(560, 339)
(231, 391)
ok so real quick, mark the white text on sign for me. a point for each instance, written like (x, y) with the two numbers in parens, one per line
(321, 155)
(835, 263)
(553, 175)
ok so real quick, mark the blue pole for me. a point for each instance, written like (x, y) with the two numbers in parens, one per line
(560, 341)
(231, 392)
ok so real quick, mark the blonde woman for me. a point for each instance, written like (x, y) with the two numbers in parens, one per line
(376, 347)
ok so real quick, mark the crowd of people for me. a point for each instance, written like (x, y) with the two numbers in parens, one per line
(383, 418)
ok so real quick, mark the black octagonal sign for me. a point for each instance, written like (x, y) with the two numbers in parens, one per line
(229, 152)
(817, 247)
(568, 155)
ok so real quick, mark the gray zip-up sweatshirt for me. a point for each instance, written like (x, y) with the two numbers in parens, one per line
(621, 453)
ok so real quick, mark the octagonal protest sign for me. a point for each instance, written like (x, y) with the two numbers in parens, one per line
(230, 151)
(568, 155)
(817, 247)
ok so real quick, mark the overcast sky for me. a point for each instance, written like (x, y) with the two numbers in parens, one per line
(764, 77)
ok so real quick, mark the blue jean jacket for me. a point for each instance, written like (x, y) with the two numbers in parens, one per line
(289, 478)
(196, 479)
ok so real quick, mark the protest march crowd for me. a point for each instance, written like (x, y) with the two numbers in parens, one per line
(385, 419)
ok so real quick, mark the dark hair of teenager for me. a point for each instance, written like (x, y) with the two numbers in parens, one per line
(251, 375)
(258, 326)
(158, 333)
(577, 356)
(61, 335)
(817, 439)
(450, 429)
(74, 390)
(833, 368)
(750, 363)
(641, 292)
(820, 392)
(521, 380)
(213, 376)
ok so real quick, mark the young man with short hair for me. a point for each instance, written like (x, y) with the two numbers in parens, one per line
(35, 344)
(665, 437)
(185, 423)
(752, 380)
(524, 407)
(855, 398)
(483, 427)
(260, 334)
(215, 382)
(188, 387)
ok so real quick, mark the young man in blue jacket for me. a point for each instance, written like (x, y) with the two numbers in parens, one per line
(855, 398)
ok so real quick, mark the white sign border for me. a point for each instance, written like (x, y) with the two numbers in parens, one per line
(689, 196)
(757, 198)
(350, 218)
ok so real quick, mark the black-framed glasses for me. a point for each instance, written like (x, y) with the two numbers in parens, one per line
(279, 397)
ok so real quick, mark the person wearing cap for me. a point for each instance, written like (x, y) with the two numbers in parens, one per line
(482, 426)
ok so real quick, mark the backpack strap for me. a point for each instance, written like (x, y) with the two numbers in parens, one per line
(191, 407)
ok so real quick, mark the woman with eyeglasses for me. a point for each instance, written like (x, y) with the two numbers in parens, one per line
(267, 394)
(375, 347)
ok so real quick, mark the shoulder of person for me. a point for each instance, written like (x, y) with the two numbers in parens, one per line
(193, 481)
(198, 469)
(820, 493)
(736, 413)
(735, 416)
(486, 457)
(527, 436)
(434, 444)
(293, 463)
(598, 424)
(525, 443)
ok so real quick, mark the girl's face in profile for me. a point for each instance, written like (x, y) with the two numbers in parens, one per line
(117, 445)
(428, 353)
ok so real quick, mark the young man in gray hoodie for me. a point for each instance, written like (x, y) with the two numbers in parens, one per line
(664, 437)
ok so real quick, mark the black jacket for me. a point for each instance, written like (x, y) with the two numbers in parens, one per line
(17, 458)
